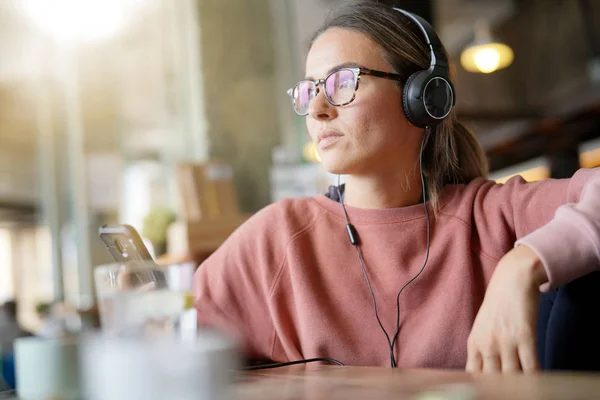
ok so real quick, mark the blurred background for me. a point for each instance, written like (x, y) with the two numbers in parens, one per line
(172, 116)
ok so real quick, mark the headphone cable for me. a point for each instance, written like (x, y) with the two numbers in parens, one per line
(285, 364)
(425, 138)
(354, 240)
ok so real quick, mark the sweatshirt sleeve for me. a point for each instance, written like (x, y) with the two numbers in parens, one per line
(231, 287)
(557, 218)
(569, 245)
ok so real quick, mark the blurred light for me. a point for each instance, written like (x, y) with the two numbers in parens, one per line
(530, 175)
(310, 153)
(487, 59)
(590, 159)
(80, 20)
(484, 54)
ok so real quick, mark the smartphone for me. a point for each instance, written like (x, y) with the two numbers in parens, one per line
(124, 243)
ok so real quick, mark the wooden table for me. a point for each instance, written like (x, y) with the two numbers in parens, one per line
(349, 383)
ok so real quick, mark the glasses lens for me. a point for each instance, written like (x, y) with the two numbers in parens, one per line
(340, 86)
(302, 94)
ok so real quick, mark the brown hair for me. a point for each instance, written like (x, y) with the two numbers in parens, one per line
(452, 154)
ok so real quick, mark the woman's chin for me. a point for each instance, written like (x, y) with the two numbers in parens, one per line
(334, 166)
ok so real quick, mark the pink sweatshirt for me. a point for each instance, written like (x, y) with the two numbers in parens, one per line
(289, 286)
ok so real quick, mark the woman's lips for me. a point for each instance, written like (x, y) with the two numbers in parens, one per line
(328, 140)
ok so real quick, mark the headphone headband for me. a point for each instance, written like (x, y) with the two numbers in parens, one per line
(438, 59)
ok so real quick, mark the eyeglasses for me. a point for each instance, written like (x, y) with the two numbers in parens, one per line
(340, 87)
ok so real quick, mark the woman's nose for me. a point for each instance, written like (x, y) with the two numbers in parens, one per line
(320, 109)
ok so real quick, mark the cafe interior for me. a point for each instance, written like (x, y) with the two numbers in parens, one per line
(172, 117)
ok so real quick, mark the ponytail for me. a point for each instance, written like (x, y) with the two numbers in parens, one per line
(452, 155)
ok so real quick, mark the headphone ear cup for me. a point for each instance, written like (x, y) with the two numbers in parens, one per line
(405, 100)
(412, 88)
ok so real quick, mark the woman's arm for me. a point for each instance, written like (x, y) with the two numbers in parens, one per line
(232, 286)
(569, 245)
(541, 215)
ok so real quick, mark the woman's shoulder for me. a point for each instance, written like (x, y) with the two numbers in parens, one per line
(456, 197)
(263, 238)
(281, 220)
(294, 210)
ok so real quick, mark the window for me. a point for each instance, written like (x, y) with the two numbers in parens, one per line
(6, 267)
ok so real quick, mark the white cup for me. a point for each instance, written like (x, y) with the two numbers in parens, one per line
(47, 368)
(125, 368)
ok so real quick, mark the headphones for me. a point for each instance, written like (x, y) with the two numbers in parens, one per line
(427, 98)
(428, 95)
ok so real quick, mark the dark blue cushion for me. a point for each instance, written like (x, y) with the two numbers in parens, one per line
(568, 328)
(8, 369)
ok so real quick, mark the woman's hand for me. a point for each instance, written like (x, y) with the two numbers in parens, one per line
(124, 280)
(503, 337)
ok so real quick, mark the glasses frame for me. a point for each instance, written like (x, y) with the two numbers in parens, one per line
(357, 71)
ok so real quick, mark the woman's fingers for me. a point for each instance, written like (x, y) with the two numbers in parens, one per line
(510, 357)
(123, 279)
(146, 287)
(498, 355)
(528, 354)
(474, 362)
(491, 362)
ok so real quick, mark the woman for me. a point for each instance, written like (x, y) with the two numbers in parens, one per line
(311, 277)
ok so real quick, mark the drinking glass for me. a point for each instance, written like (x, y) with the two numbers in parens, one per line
(146, 299)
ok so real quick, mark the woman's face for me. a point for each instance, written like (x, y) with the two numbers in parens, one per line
(371, 135)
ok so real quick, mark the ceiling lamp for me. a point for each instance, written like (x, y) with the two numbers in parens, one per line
(484, 55)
